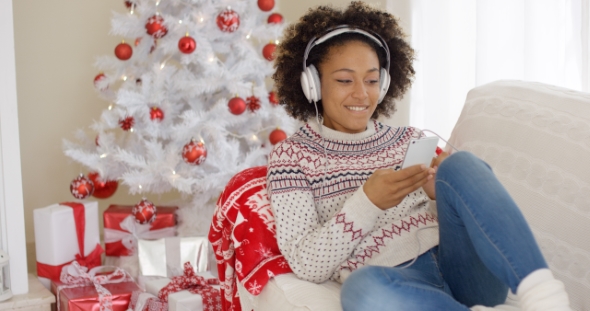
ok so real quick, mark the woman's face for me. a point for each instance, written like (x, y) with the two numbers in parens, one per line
(350, 86)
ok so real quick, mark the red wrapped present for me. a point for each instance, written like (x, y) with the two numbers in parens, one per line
(79, 290)
(121, 231)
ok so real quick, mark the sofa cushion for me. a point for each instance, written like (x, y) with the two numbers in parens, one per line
(536, 137)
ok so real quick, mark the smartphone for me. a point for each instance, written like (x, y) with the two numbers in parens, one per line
(420, 151)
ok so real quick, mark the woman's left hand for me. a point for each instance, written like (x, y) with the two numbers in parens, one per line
(429, 186)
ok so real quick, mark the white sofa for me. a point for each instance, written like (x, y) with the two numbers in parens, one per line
(536, 137)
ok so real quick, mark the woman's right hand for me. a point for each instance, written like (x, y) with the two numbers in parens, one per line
(387, 188)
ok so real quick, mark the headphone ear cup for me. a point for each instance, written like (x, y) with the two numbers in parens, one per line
(305, 85)
(384, 81)
(314, 79)
(310, 84)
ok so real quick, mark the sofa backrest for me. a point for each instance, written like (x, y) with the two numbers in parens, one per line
(536, 137)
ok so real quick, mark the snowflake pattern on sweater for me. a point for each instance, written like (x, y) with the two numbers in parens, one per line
(326, 226)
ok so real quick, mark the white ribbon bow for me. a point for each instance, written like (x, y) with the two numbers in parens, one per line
(74, 275)
(134, 231)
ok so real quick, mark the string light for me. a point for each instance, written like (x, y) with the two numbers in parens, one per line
(139, 186)
(162, 66)
(124, 78)
(180, 21)
(111, 107)
(104, 155)
(131, 130)
(173, 172)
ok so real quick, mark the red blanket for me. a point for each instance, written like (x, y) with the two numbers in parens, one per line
(243, 237)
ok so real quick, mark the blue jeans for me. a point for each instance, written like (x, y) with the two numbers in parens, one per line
(485, 248)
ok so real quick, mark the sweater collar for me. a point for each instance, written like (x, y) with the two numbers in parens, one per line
(328, 133)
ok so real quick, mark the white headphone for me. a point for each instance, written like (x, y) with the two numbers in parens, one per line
(310, 78)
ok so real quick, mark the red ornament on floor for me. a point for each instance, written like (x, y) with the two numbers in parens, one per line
(156, 114)
(228, 20)
(127, 123)
(253, 103)
(187, 44)
(275, 18)
(266, 5)
(194, 153)
(277, 136)
(123, 51)
(81, 187)
(155, 27)
(145, 212)
(273, 99)
(268, 51)
(102, 189)
(236, 105)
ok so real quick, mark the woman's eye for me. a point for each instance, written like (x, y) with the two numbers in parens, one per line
(344, 81)
(373, 81)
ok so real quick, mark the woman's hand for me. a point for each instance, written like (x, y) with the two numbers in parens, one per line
(387, 188)
(429, 187)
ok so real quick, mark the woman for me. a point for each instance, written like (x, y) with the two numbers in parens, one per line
(346, 212)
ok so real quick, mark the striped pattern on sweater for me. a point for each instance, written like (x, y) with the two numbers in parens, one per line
(326, 226)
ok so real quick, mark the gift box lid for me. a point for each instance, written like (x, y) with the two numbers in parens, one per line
(114, 214)
(55, 232)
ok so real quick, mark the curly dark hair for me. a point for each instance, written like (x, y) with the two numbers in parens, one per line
(289, 54)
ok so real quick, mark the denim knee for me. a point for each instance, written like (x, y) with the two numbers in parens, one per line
(460, 161)
(358, 289)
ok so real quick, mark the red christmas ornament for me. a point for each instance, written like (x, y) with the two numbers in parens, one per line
(98, 83)
(145, 212)
(266, 5)
(96, 141)
(268, 51)
(253, 103)
(123, 51)
(187, 44)
(127, 123)
(228, 20)
(273, 98)
(275, 18)
(155, 27)
(102, 189)
(81, 187)
(277, 136)
(156, 113)
(128, 4)
(194, 153)
(237, 105)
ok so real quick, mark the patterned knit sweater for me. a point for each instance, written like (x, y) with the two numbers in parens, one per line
(329, 237)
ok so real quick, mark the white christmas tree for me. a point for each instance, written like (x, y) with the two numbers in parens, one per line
(190, 100)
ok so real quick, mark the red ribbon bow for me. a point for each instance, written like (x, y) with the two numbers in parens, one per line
(195, 284)
(90, 261)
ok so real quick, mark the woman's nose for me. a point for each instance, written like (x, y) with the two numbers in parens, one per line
(359, 91)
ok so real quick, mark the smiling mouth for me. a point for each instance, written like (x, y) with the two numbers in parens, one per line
(356, 108)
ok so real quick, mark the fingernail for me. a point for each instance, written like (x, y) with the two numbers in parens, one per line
(423, 166)
(429, 177)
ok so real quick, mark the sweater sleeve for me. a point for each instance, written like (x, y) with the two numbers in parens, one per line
(314, 250)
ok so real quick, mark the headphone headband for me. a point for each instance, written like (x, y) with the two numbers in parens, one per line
(338, 30)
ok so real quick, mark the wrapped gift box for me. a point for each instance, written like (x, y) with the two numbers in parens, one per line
(100, 288)
(63, 233)
(185, 299)
(165, 257)
(121, 231)
(86, 297)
